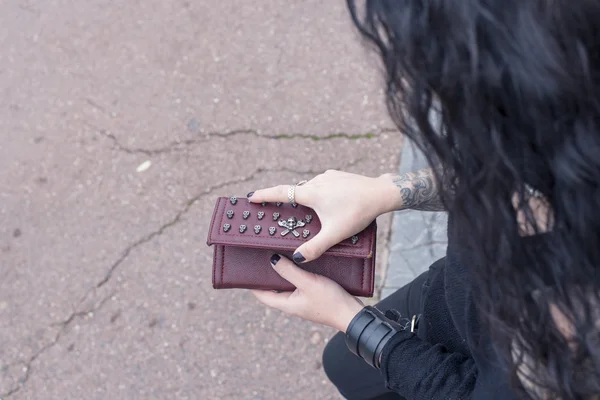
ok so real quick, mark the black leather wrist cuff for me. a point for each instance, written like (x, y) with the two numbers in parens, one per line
(368, 332)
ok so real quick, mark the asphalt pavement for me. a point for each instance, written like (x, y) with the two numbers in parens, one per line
(121, 124)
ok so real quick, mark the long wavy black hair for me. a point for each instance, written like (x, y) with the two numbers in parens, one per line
(504, 96)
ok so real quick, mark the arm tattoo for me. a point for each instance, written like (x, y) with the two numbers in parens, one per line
(419, 191)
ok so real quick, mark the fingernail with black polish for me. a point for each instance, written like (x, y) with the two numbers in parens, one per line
(249, 194)
(298, 257)
(275, 259)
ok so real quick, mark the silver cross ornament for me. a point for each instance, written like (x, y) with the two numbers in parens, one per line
(260, 214)
(229, 214)
(290, 225)
(246, 214)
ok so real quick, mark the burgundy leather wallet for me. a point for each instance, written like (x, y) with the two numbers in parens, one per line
(246, 235)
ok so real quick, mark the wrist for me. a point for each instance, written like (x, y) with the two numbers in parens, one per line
(347, 314)
(389, 198)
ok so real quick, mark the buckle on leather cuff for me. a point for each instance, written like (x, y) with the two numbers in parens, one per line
(414, 323)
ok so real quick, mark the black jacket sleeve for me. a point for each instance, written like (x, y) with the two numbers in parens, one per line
(417, 369)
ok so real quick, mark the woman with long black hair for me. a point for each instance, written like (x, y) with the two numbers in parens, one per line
(503, 96)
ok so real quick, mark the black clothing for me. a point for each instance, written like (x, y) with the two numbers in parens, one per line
(449, 358)
(354, 378)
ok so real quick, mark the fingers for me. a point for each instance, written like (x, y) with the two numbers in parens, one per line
(272, 194)
(277, 193)
(272, 299)
(292, 273)
(314, 248)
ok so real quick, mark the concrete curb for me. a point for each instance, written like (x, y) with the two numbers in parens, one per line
(417, 238)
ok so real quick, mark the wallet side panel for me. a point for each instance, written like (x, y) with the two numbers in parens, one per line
(249, 268)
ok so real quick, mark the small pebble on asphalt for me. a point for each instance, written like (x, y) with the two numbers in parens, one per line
(144, 166)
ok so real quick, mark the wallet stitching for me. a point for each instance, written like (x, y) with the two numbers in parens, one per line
(356, 253)
(214, 265)
(362, 282)
(222, 263)
(222, 216)
(365, 262)
(331, 251)
(286, 238)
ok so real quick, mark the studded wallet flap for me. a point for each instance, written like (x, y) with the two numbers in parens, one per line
(245, 235)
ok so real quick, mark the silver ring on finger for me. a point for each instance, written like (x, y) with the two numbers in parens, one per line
(292, 192)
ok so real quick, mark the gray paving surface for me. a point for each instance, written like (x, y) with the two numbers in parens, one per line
(121, 123)
(417, 238)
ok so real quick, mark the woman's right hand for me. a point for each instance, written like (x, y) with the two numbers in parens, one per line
(345, 203)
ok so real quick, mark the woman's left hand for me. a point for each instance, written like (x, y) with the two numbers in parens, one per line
(316, 298)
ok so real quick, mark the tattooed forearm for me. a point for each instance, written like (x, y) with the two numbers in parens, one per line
(419, 191)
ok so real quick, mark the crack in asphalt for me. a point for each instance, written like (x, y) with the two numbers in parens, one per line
(145, 239)
(182, 144)
(63, 327)
(338, 135)
(192, 201)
